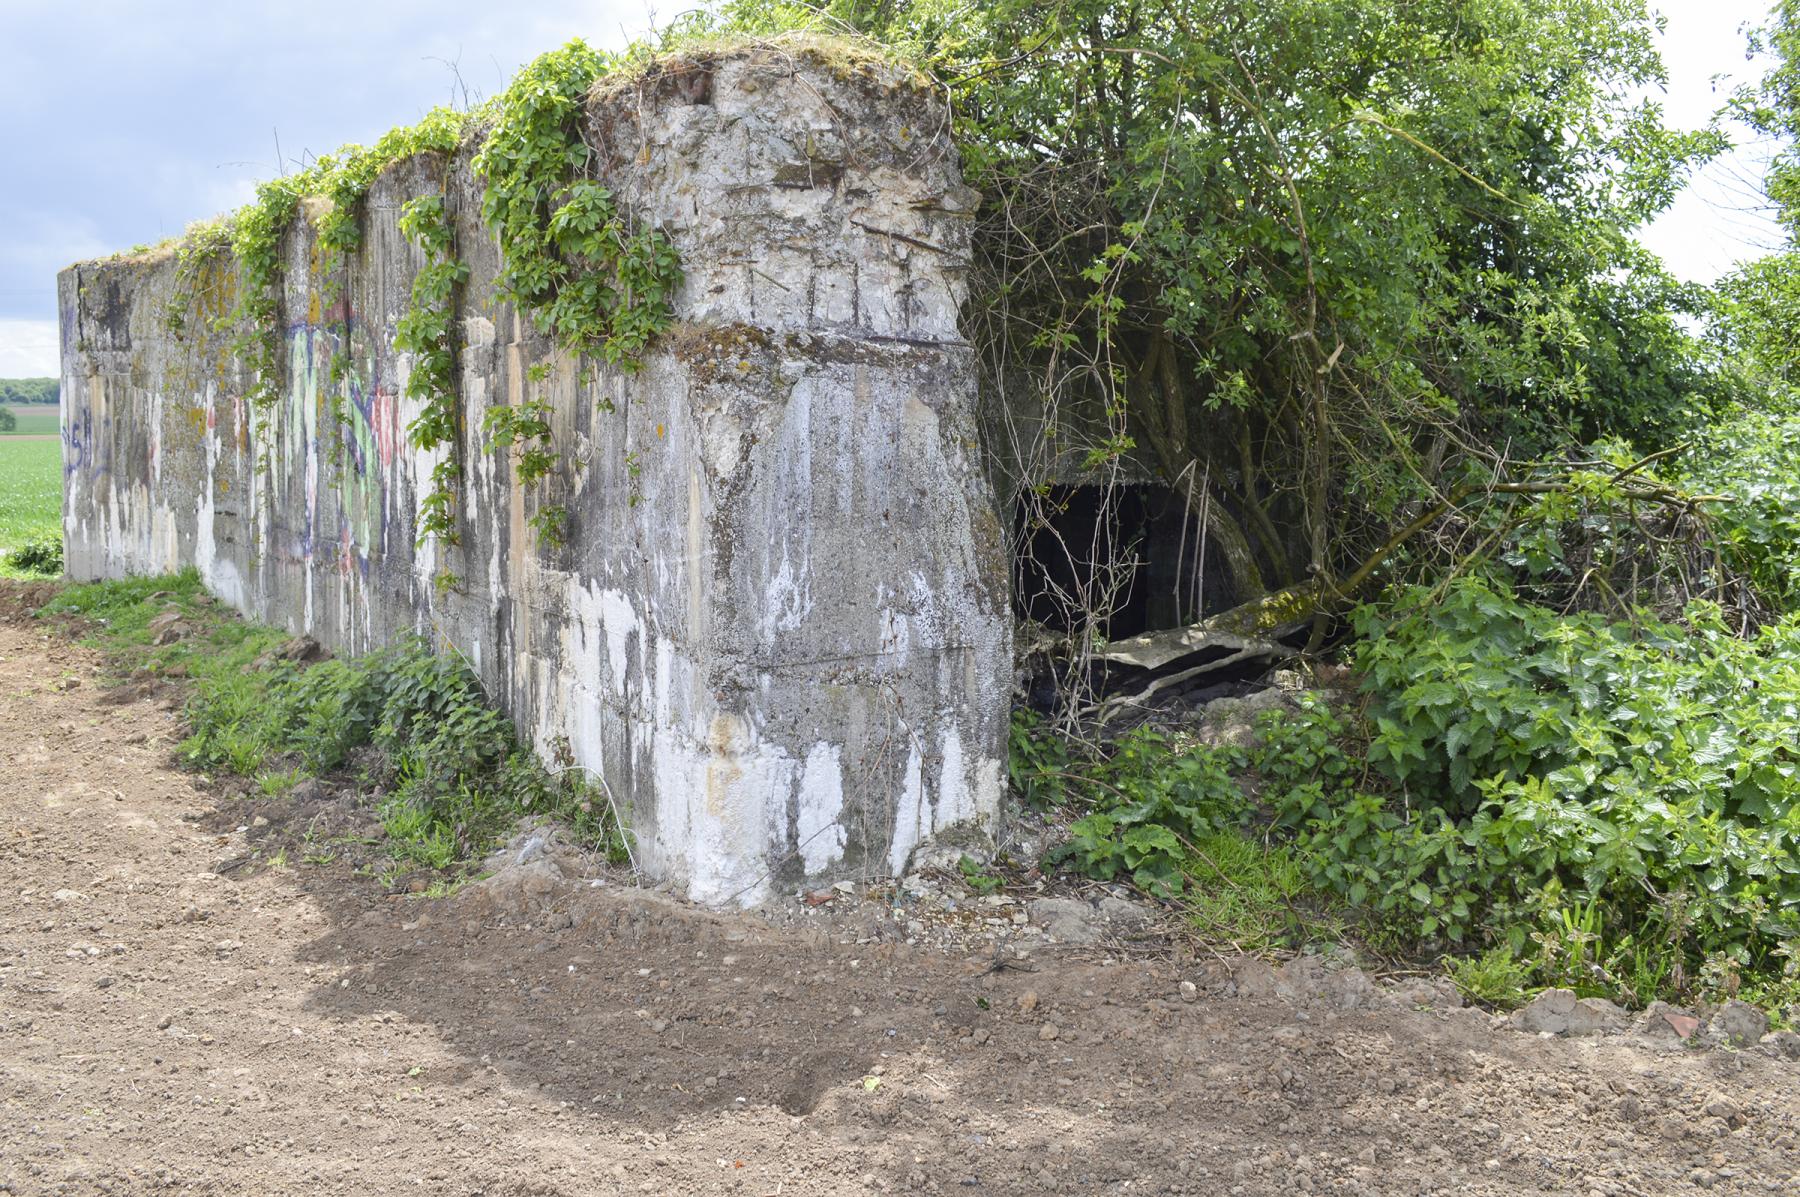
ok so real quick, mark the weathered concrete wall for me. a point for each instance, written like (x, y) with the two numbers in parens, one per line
(779, 627)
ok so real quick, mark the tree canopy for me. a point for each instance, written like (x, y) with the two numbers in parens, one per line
(29, 390)
(1314, 261)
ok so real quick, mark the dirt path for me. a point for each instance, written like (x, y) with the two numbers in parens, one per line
(168, 1028)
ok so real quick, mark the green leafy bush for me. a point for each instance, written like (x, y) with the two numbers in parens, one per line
(455, 771)
(1602, 805)
(1616, 801)
(1149, 805)
(1169, 817)
(40, 554)
(1752, 460)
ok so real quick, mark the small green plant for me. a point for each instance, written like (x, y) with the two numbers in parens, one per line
(1037, 763)
(257, 231)
(40, 554)
(278, 783)
(1148, 802)
(1493, 978)
(978, 879)
(1172, 819)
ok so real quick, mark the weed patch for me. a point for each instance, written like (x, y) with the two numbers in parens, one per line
(444, 770)
(1168, 816)
(1547, 799)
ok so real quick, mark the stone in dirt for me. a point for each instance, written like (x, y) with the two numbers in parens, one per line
(1126, 915)
(1066, 920)
(1738, 1023)
(1719, 1106)
(1782, 1044)
(167, 628)
(1310, 978)
(1560, 1012)
(526, 873)
(302, 649)
(1661, 1020)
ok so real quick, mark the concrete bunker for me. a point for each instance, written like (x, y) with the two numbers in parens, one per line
(776, 625)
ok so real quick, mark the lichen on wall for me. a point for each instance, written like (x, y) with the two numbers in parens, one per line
(776, 627)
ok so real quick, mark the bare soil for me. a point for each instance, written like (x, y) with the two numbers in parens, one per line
(176, 1020)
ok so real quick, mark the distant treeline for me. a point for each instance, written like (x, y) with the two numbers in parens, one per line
(29, 390)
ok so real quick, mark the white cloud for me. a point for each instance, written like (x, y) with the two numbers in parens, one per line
(125, 121)
(29, 349)
(1721, 219)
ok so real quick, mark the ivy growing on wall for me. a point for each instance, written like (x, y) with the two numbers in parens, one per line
(573, 261)
(424, 331)
(345, 180)
(586, 277)
(256, 234)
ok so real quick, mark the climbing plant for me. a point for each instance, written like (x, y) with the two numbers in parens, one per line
(256, 234)
(345, 179)
(571, 260)
(585, 275)
(196, 254)
(424, 331)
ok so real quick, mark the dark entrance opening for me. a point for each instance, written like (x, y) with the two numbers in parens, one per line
(1141, 543)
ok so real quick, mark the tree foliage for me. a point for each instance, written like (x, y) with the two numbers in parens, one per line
(1756, 302)
(29, 390)
(1309, 259)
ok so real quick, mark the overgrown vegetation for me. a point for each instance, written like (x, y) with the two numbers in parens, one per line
(590, 278)
(1360, 283)
(424, 331)
(445, 773)
(1319, 266)
(39, 554)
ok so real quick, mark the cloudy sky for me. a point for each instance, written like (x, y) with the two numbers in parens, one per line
(122, 121)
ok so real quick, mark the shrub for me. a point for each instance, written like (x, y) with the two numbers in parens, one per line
(1608, 806)
(1752, 460)
(459, 775)
(40, 554)
(1615, 802)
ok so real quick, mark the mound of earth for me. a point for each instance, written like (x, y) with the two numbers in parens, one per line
(192, 1002)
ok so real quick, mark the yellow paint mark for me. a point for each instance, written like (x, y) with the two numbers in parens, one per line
(722, 771)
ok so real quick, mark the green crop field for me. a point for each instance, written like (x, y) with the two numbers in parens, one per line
(30, 489)
(34, 419)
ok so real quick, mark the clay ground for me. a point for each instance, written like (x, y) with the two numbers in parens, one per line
(169, 1028)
